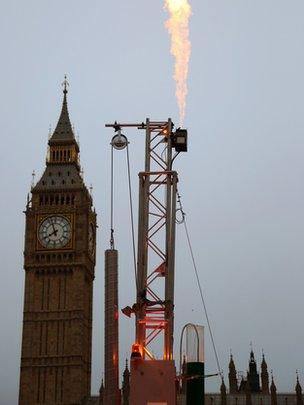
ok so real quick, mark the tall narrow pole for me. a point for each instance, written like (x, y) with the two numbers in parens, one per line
(170, 249)
(111, 353)
(142, 261)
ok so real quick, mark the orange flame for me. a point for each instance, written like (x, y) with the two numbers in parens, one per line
(178, 27)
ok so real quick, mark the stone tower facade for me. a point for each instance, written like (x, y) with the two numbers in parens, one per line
(252, 375)
(59, 261)
(126, 386)
(233, 384)
(264, 376)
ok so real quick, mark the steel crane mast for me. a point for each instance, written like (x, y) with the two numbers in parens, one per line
(156, 241)
(154, 307)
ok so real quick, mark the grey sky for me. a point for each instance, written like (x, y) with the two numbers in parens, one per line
(241, 181)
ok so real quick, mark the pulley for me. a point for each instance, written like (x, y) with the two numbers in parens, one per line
(119, 141)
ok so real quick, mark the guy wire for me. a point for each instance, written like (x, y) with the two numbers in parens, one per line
(199, 283)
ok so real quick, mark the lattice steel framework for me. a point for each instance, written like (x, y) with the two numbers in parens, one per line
(154, 308)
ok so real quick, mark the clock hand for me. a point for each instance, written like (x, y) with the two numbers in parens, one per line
(53, 225)
(54, 233)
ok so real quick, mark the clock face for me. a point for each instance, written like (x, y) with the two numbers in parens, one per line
(91, 239)
(55, 232)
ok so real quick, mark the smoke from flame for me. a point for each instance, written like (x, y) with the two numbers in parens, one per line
(178, 27)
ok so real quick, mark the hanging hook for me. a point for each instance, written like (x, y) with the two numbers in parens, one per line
(180, 209)
(112, 245)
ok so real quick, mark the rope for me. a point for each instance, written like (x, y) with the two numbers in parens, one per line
(131, 206)
(112, 244)
(132, 217)
(199, 283)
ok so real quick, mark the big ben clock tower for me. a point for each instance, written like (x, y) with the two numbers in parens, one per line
(59, 260)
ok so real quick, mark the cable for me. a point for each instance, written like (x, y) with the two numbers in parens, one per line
(199, 284)
(112, 244)
(202, 297)
(130, 200)
(131, 217)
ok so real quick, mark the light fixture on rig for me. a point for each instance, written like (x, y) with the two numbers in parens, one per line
(180, 140)
(119, 140)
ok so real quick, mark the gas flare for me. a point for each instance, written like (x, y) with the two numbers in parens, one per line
(178, 27)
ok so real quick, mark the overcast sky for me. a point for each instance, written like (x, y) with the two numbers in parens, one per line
(241, 181)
